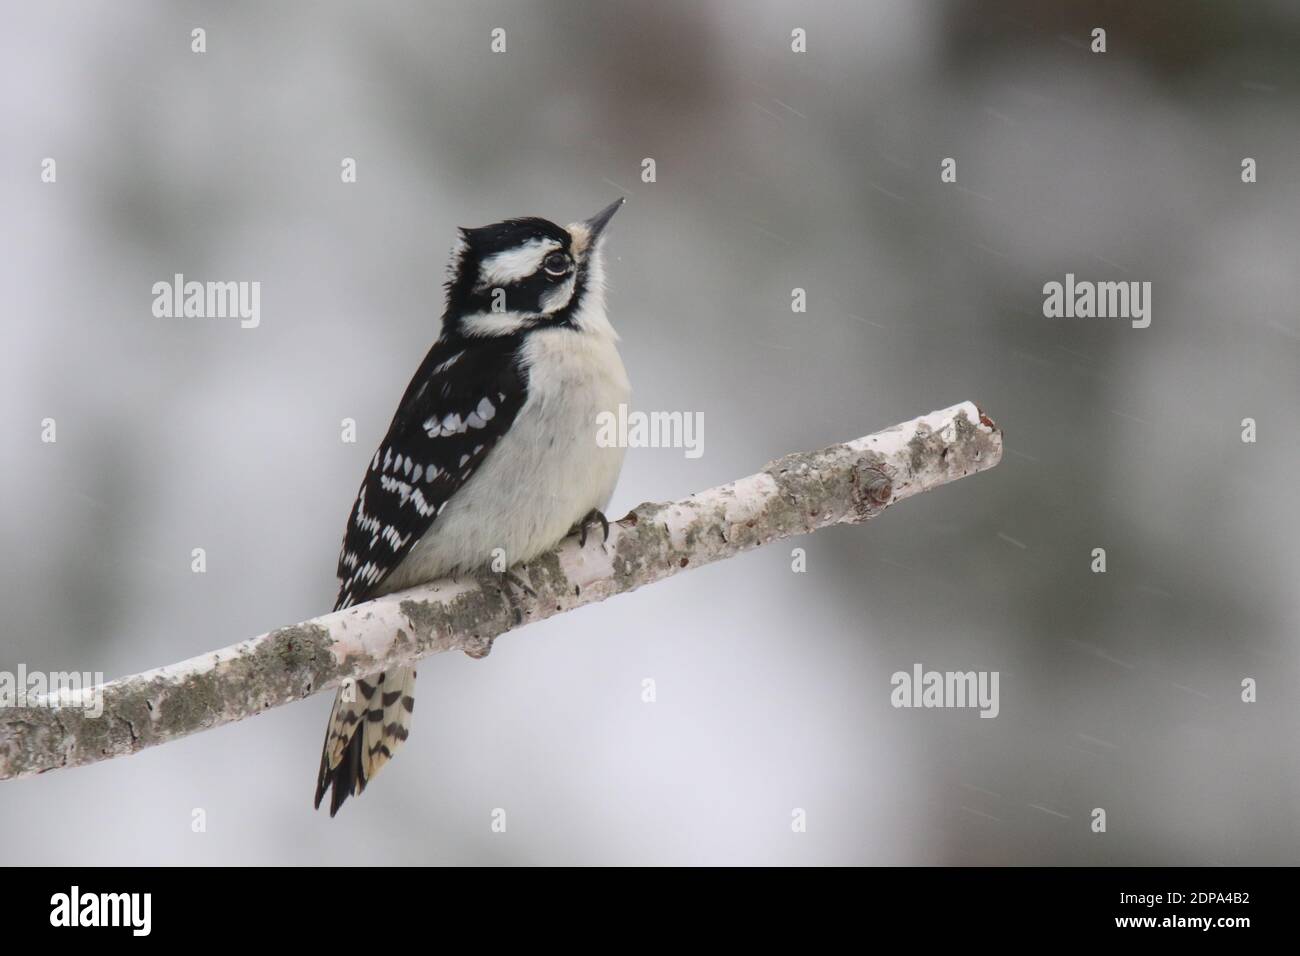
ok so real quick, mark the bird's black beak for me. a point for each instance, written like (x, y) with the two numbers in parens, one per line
(598, 222)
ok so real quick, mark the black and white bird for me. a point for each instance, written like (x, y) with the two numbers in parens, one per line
(493, 446)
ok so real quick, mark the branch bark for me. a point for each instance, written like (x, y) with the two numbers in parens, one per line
(843, 484)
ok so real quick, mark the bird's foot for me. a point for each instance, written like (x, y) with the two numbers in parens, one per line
(513, 580)
(593, 516)
(506, 583)
(510, 586)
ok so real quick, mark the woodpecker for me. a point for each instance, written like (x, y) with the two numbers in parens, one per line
(493, 445)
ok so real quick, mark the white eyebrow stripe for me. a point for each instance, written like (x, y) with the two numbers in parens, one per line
(514, 264)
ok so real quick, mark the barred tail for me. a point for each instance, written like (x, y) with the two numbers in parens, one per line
(369, 721)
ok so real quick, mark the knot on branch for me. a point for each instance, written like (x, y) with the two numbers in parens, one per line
(873, 487)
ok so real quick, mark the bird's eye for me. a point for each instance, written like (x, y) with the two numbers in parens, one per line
(556, 264)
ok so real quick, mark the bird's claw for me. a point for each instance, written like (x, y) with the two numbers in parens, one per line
(591, 517)
(506, 583)
(514, 580)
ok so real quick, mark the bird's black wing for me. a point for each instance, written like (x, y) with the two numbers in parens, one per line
(462, 400)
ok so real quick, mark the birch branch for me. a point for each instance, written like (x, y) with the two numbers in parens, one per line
(797, 494)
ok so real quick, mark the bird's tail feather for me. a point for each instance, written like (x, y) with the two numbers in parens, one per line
(370, 720)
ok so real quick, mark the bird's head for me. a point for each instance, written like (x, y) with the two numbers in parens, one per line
(521, 274)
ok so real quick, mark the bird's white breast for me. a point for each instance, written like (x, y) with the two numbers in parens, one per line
(544, 474)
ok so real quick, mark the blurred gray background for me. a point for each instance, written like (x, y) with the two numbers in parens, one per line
(775, 170)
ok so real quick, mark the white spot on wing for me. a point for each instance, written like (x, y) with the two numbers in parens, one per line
(422, 506)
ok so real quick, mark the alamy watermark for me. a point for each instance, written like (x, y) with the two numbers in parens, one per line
(133, 911)
(54, 689)
(1083, 299)
(208, 300)
(922, 688)
(628, 429)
